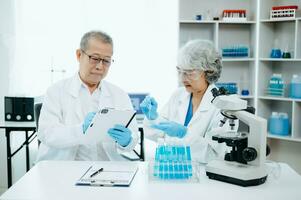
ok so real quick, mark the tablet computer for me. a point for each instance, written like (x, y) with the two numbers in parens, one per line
(104, 120)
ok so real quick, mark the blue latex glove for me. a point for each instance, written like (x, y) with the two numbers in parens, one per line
(172, 129)
(121, 135)
(88, 119)
(149, 108)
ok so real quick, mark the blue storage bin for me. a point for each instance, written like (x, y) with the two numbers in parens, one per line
(279, 124)
(295, 90)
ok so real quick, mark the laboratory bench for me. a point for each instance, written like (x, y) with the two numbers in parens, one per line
(56, 180)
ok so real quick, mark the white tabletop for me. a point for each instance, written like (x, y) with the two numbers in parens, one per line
(56, 179)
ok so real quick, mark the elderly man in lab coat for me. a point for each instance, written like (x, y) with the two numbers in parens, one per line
(69, 107)
(189, 117)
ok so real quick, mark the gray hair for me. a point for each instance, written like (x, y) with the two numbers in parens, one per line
(201, 55)
(102, 36)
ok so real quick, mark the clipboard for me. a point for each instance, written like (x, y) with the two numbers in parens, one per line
(120, 175)
(104, 120)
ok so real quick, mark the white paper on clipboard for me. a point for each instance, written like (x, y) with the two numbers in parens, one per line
(104, 120)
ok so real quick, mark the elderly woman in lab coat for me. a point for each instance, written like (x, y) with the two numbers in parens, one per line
(189, 116)
(69, 107)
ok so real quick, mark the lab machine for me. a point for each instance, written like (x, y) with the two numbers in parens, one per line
(244, 165)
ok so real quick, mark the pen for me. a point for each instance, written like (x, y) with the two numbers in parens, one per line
(97, 172)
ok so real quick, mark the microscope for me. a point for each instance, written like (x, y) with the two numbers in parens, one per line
(245, 164)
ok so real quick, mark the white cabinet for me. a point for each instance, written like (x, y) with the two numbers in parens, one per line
(260, 34)
(224, 34)
(284, 34)
(221, 33)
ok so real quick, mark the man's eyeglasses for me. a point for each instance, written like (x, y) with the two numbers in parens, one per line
(94, 60)
(191, 74)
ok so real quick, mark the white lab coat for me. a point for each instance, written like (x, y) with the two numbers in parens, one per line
(200, 128)
(61, 118)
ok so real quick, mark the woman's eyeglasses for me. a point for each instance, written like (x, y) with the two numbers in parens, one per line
(191, 74)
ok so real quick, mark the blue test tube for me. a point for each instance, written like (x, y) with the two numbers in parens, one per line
(189, 160)
(161, 161)
(170, 162)
(180, 161)
(166, 162)
(156, 163)
(184, 158)
(176, 163)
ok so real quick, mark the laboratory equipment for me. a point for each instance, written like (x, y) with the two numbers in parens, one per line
(286, 54)
(173, 162)
(136, 99)
(149, 108)
(231, 87)
(275, 53)
(234, 15)
(244, 84)
(208, 16)
(295, 86)
(244, 165)
(245, 92)
(279, 124)
(198, 17)
(19, 108)
(276, 85)
(283, 12)
(235, 51)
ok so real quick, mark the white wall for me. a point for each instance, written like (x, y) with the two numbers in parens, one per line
(31, 45)
(144, 34)
(6, 49)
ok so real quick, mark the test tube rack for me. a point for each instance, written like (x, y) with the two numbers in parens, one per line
(283, 12)
(234, 15)
(173, 162)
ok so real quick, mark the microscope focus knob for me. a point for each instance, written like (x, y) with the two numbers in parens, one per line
(249, 154)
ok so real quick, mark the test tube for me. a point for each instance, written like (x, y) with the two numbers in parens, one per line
(189, 167)
(180, 159)
(184, 158)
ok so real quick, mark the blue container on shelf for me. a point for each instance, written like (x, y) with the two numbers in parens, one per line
(231, 87)
(276, 85)
(278, 124)
(276, 53)
(295, 87)
(236, 51)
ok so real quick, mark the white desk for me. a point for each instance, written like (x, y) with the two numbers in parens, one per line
(55, 180)
(17, 126)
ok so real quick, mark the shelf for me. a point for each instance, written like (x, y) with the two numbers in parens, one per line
(246, 22)
(237, 59)
(197, 22)
(277, 20)
(260, 34)
(246, 97)
(281, 59)
(279, 98)
(287, 138)
(213, 22)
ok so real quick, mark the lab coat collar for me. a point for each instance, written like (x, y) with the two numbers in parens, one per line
(76, 84)
(206, 100)
(206, 104)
